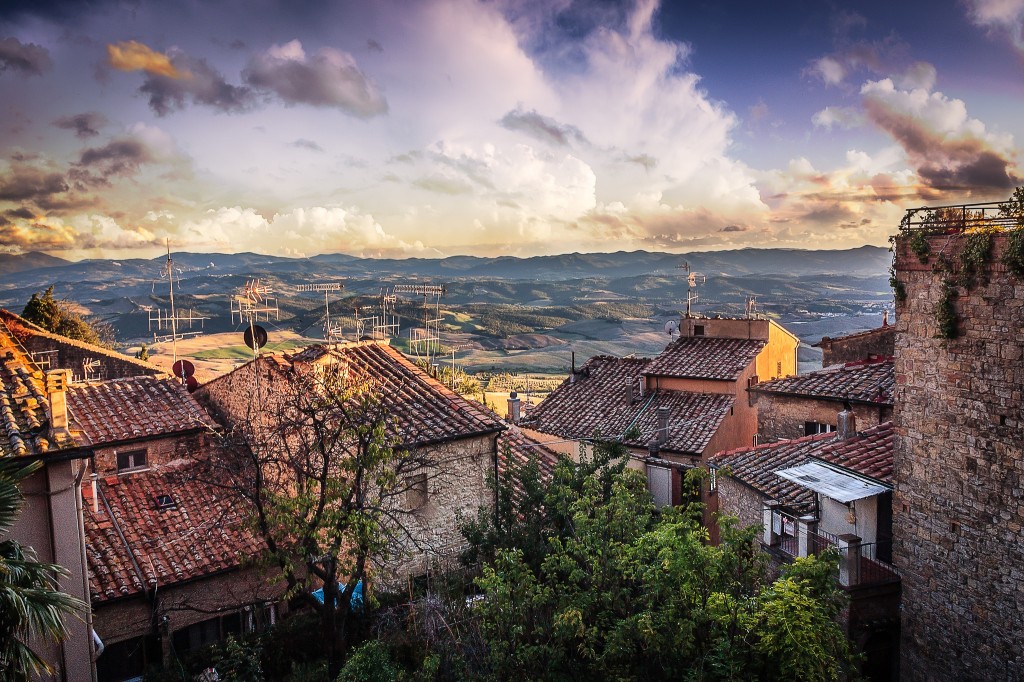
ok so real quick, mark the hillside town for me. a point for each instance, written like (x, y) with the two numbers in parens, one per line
(171, 506)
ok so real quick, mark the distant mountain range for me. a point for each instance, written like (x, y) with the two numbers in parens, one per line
(803, 285)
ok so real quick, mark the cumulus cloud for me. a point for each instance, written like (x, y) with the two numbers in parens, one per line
(202, 84)
(329, 78)
(26, 58)
(542, 128)
(84, 125)
(132, 55)
(949, 150)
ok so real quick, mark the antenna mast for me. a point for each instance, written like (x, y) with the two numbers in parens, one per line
(170, 283)
(691, 290)
(331, 333)
(429, 339)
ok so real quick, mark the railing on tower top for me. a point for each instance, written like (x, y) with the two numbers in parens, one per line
(964, 217)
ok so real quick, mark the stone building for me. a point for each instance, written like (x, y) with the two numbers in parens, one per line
(674, 410)
(806, 404)
(458, 437)
(873, 343)
(827, 490)
(959, 460)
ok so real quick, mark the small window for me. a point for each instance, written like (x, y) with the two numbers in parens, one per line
(713, 479)
(165, 502)
(132, 459)
(698, 330)
(778, 369)
(416, 491)
(812, 428)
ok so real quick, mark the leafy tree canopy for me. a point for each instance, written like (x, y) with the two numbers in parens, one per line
(57, 316)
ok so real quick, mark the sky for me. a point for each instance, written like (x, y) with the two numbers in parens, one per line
(431, 128)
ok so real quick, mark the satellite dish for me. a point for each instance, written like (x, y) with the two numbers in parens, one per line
(183, 368)
(191, 384)
(671, 327)
(255, 337)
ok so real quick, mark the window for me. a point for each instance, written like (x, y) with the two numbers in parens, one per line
(260, 617)
(659, 482)
(207, 632)
(698, 330)
(812, 428)
(416, 491)
(128, 660)
(132, 459)
(713, 479)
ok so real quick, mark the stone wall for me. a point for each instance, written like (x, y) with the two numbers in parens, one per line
(958, 509)
(159, 451)
(70, 354)
(781, 417)
(880, 342)
(739, 500)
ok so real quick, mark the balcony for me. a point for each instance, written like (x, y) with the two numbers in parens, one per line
(861, 564)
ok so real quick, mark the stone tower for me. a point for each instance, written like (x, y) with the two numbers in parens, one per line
(958, 507)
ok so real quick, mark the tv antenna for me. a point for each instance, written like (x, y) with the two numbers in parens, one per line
(692, 279)
(252, 302)
(751, 307)
(164, 324)
(383, 324)
(331, 332)
(92, 369)
(425, 341)
(453, 349)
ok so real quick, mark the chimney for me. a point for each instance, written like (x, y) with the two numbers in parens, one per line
(654, 448)
(847, 423)
(513, 407)
(572, 375)
(885, 318)
(662, 424)
(630, 395)
(57, 381)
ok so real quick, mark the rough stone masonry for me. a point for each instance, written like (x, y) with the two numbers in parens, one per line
(959, 470)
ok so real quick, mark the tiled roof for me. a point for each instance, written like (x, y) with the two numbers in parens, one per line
(868, 381)
(869, 453)
(132, 545)
(596, 402)
(124, 409)
(517, 449)
(423, 410)
(877, 331)
(702, 357)
(24, 411)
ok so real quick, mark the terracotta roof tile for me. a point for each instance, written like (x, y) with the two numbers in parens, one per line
(137, 407)
(596, 402)
(700, 357)
(869, 453)
(24, 410)
(132, 545)
(517, 449)
(868, 381)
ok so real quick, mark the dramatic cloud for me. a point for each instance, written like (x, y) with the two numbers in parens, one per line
(999, 16)
(84, 125)
(542, 128)
(134, 56)
(949, 150)
(330, 78)
(26, 58)
(28, 183)
(124, 155)
(202, 85)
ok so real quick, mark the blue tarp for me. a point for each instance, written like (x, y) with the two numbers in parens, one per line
(357, 595)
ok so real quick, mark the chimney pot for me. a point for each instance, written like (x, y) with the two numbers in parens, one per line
(514, 407)
(57, 381)
(630, 395)
(847, 426)
(662, 424)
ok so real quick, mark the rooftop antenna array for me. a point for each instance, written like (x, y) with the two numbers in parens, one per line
(692, 279)
(332, 332)
(252, 302)
(164, 325)
(751, 308)
(384, 324)
(453, 349)
(425, 342)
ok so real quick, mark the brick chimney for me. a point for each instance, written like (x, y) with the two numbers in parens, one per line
(847, 427)
(514, 407)
(57, 381)
(630, 392)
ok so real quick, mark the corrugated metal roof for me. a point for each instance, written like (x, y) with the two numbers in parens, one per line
(831, 481)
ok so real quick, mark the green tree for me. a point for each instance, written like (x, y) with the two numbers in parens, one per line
(607, 587)
(31, 603)
(143, 353)
(57, 316)
(317, 465)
